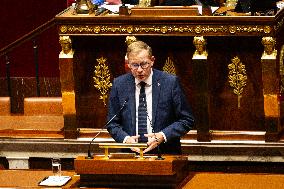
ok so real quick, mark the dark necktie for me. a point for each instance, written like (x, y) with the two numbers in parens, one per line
(142, 114)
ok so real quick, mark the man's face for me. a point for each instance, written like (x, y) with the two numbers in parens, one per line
(140, 65)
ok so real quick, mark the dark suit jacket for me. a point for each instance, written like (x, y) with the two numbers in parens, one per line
(170, 111)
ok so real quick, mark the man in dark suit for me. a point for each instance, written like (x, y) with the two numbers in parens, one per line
(167, 114)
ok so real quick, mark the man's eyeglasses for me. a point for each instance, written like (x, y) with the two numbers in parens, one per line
(143, 65)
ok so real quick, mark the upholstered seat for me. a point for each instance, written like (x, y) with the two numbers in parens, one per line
(43, 106)
(5, 106)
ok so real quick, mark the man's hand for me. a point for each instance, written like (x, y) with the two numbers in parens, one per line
(131, 140)
(154, 139)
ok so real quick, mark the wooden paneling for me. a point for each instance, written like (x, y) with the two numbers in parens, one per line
(228, 37)
(26, 87)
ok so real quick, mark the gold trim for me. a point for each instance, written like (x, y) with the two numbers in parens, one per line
(106, 146)
(164, 29)
(130, 39)
(237, 77)
(102, 78)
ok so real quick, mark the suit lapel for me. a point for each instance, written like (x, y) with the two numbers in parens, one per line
(155, 94)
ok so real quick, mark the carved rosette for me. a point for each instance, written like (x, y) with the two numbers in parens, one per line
(237, 77)
(169, 66)
(102, 78)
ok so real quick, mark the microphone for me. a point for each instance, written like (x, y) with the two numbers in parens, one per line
(89, 148)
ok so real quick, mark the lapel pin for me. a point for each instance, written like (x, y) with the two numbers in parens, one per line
(158, 84)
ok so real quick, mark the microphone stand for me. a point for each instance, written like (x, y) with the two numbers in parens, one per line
(159, 154)
(89, 148)
(159, 151)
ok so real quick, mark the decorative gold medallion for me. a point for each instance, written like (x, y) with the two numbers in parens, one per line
(102, 78)
(237, 77)
(63, 29)
(169, 66)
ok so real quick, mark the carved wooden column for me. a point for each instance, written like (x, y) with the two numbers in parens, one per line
(270, 79)
(200, 87)
(67, 87)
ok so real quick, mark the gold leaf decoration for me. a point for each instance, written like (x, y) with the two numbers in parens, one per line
(169, 66)
(102, 79)
(237, 77)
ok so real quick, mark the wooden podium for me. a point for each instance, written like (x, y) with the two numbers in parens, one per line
(132, 173)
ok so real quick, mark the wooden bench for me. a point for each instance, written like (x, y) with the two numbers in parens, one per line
(43, 106)
(5, 106)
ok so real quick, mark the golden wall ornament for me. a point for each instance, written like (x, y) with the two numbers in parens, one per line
(200, 46)
(130, 39)
(269, 48)
(237, 77)
(102, 78)
(169, 66)
(144, 3)
(66, 45)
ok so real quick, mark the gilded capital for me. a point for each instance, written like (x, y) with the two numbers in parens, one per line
(130, 39)
(200, 46)
(66, 45)
(269, 48)
(144, 3)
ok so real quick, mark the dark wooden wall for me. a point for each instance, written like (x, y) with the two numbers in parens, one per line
(223, 108)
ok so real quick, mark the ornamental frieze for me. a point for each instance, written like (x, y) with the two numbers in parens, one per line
(165, 29)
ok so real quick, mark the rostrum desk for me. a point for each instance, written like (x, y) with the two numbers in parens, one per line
(206, 83)
(132, 173)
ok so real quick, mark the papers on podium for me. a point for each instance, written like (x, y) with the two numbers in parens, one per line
(54, 181)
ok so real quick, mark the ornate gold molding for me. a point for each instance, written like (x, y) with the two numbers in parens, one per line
(102, 78)
(165, 29)
(169, 66)
(237, 77)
